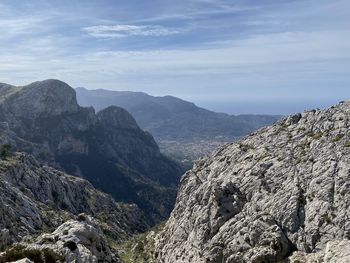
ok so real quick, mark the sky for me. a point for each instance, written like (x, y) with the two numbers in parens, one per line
(234, 56)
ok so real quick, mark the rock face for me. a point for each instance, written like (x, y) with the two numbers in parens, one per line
(108, 148)
(283, 189)
(35, 198)
(43, 98)
(337, 251)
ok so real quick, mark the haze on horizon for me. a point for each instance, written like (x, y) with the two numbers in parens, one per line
(255, 56)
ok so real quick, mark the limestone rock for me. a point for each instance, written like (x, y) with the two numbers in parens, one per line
(117, 117)
(25, 260)
(77, 241)
(337, 251)
(282, 189)
(74, 241)
(43, 98)
(34, 197)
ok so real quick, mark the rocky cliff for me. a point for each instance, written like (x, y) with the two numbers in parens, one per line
(36, 198)
(282, 192)
(108, 148)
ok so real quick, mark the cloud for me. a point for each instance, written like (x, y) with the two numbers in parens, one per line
(19, 26)
(118, 31)
(227, 50)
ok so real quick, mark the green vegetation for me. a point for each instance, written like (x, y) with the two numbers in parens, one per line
(327, 219)
(5, 151)
(19, 252)
(347, 143)
(316, 135)
(139, 248)
(338, 137)
(311, 196)
(305, 144)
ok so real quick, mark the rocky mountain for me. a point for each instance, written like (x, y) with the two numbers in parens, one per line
(35, 198)
(183, 130)
(281, 193)
(107, 148)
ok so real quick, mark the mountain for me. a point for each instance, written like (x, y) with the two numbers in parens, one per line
(108, 148)
(35, 198)
(281, 192)
(180, 127)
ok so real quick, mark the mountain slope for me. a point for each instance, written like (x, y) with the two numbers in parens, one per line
(281, 189)
(184, 131)
(36, 198)
(171, 117)
(108, 148)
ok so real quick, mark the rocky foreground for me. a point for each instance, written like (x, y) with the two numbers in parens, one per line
(74, 241)
(36, 199)
(282, 193)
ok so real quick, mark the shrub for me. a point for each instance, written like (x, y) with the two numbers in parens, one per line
(338, 137)
(5, 151)
(19, 252)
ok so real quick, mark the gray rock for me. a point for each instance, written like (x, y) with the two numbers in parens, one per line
(25, 260)
(5, 238)
(77, 241)
(337, 251)
(43, 98)
(34, 197)
(282, 189)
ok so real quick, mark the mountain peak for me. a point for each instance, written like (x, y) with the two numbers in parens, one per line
(117, 117)
(49, 97)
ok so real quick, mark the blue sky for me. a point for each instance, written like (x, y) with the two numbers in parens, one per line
(253, 56)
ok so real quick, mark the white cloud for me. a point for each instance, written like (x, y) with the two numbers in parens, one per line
(117, 31)
(284, 57)
(19, 26)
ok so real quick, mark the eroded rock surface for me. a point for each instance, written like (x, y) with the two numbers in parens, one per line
(36, 198)
(79, 241)
(282, 189)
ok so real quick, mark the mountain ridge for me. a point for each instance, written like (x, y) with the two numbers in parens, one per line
(183, 131)
(108, 148)
(134, 101)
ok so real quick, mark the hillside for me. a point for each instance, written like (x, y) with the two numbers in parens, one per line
(182, 129)
(108, 148)
(36, 199)
(281, 192)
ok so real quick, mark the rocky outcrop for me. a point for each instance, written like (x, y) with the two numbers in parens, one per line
(108, 148)
(74, 241)
(117, 118)
(36, 198)
(280, 190)
(24, 260)
(337, 251)
(43, 98)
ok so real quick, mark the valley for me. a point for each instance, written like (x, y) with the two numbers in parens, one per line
(277, 194)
